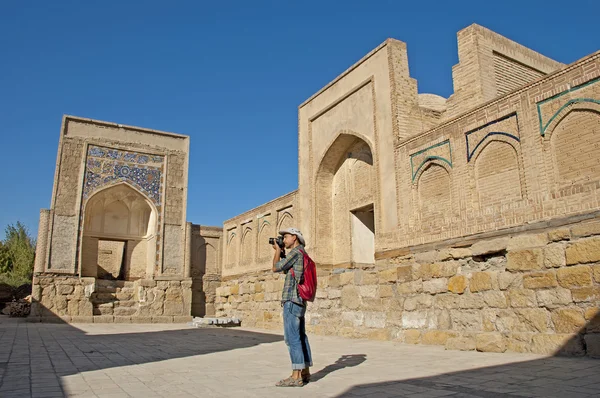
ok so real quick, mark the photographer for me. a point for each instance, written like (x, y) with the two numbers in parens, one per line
(294, 307)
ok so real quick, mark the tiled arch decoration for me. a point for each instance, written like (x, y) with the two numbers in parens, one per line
(106, 167)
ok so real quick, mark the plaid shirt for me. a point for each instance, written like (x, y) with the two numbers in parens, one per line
(293, 259)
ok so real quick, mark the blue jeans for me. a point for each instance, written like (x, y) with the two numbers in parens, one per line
(294, 333)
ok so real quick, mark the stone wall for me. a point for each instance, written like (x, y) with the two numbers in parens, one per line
(70, 299)
(205, 268)
(245, 240)
(535, 291)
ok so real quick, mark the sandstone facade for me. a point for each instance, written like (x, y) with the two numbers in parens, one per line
(471, 222)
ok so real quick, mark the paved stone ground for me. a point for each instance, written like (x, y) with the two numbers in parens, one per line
(114, 360)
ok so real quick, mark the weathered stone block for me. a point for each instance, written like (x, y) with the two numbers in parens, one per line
(141, 319)
(596, 272)
(162, 319)
(124, 311)
(583, 251)
(519, 298)
(368, 291)
(525, 260)
(507, 280)
(490, 342)
(414, 319)
(554, 255)
(235, 289)
(466, 320)
(375, 320)
(552, 298)
(371, 304)
(495, 299)
(347, 278)
(353, 318)
(386, 291)
(182, 318)
(568, 320)
(559, 234)
(480, 281)
(82, 319)
(404, 273)
(586, 229)
(367, 278)
(412, 336)
(527, 241)
(575, 277)
(422, 301)
(410, 287)
(557, 344)
(103, 319)
(471, 300)
(540, 280)
(489, 246)
(437, 285)
(122, 319)
(443, 319)
(532, 320)
(457, 284)
(436, 337)
(147, 283)
(65, 289)
(350, 297)
(447, 301)
(586, 294)
(388, 276)
(459, 252)
(461, 343)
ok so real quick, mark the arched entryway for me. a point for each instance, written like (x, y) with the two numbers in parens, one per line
(119, 236)
(344, 203)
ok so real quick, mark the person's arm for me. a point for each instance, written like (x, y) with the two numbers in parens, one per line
(283, 264)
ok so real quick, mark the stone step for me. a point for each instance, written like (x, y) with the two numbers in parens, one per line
(124, 311)
(112, 296)
(125, 303)
(103, 311)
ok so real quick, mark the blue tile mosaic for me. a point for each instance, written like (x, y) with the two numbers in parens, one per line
(106, 166)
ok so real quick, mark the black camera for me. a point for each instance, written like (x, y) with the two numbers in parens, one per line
(278, 240)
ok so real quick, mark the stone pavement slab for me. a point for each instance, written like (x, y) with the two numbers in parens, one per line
(136, 360)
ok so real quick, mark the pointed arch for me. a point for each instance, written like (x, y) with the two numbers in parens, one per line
(497, 173)
(575, 145)
(434, 192)
(589, 104)
(332, 199)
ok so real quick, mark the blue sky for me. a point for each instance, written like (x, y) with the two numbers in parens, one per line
(230, 74)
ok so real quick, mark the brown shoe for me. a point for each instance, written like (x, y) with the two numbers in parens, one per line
(290, 382)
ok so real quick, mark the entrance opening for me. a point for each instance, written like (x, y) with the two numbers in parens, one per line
(363, 235)
(119, 236)
(111, 259)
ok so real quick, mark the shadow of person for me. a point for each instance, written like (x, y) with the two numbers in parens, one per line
(344, 361)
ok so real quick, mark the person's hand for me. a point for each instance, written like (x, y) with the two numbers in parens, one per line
(276, 246)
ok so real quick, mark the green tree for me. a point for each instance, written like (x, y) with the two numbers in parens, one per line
(17, 254)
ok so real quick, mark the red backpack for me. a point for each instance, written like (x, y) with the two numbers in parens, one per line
(308, 288)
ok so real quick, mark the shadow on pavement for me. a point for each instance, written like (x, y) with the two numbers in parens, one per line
(31, 353)
(345, 361)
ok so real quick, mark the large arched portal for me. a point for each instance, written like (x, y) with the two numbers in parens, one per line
(119, 240)
(344, 203)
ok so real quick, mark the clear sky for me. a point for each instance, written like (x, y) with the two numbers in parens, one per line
(230, 74)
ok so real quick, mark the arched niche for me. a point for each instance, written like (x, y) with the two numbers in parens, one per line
(345, 194)
(119, 234)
